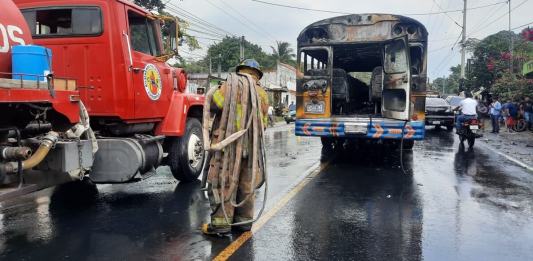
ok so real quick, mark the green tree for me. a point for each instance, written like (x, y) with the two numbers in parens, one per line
(193, 66)
(151, 5)
(227, 52)
(490, 67)
(450, 83)
(283, 53)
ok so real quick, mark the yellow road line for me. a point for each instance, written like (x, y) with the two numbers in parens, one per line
(239, 242)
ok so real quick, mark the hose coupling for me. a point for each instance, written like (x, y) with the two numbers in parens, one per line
(15, 153)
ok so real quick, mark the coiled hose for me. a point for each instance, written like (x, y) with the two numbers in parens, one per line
(232, 142)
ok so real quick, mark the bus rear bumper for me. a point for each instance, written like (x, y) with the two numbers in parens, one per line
(360, 128)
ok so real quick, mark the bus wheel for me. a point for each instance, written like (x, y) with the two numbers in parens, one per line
(186, 154)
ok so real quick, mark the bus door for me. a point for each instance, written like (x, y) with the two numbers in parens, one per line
(396, 80)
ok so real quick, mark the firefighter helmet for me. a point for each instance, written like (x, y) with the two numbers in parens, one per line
(252, 64)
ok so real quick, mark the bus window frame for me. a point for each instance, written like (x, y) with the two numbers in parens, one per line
(328, 65)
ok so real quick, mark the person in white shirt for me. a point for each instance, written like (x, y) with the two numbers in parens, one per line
(271, 116)
(468, 108)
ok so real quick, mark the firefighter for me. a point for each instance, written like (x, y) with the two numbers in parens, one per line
(234, 208)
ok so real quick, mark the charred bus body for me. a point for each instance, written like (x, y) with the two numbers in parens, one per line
(362, 76)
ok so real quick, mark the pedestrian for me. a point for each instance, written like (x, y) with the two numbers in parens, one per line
(292, 106)
(512, 115)
(271, 119)
(495, 113)
(527, 108)
(468, 111)
(236, 166)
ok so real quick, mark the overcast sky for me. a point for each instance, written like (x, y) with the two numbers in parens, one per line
(263, 24)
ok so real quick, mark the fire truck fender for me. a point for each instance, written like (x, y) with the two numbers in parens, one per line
(181, 105)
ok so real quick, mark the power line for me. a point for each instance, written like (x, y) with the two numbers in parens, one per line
(301, 8)
(187, 13)
(233, 17)
(203, 27)
(492, 13)
(206, 38)
(524, 25)
(440, 48)
(444, 39)
(499, 17)
(439, 21)
(200, 27)
(199, 24)
(192, 54)
(456, 41)
(250, 21)
(445, 61)
(204, 33)
(440, 8)
(346, 13)
(459, 10)
(452, 46)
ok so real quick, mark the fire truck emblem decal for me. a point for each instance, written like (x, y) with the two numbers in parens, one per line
(152, 82)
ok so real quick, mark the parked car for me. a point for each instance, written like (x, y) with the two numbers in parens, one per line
(439, 113)
(290, 116)
(454, 101)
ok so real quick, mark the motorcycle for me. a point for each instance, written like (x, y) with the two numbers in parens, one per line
(469, 131)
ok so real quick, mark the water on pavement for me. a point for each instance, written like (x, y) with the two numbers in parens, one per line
(451, 205)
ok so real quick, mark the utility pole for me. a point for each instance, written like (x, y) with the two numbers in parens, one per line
(463, 43)
(242, 48)
(443, 85)
(219, 65)
(210, 66)
(511, 43)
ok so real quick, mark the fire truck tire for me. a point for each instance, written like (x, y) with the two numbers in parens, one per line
(186, 153)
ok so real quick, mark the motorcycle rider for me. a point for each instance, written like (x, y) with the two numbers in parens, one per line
(468, 111)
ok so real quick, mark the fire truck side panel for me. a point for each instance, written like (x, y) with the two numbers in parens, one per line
(176, 117)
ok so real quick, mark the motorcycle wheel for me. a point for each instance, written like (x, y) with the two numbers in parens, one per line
(520, 126)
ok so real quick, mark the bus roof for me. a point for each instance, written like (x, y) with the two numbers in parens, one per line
(362, 28)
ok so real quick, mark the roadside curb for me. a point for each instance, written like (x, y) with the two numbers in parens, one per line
(516, 161)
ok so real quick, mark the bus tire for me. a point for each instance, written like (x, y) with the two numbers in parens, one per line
(186, 154)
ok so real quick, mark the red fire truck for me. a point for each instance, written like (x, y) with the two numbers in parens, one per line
(111, 109)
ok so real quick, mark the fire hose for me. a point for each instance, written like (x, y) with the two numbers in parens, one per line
(230, 144)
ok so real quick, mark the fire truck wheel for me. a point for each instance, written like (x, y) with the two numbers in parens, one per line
(186, 153)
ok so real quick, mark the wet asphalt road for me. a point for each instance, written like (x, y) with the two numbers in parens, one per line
(453, 205)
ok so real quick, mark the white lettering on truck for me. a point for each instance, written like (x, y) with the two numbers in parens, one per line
(7, 33)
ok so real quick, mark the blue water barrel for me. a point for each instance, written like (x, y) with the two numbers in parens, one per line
(31, 62)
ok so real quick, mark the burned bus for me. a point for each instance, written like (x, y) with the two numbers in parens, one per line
(362, 76)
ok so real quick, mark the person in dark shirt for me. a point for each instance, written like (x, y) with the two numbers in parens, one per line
(510, 114)
(292, 106)
(527, 108)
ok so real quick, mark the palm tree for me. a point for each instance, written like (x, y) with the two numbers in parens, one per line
(283, 53)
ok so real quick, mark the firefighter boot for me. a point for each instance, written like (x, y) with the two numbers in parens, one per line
(210, 230)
